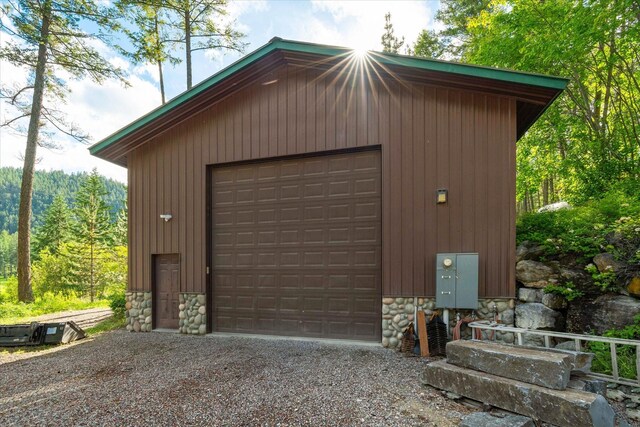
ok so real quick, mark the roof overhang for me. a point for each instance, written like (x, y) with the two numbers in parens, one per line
(534, 93)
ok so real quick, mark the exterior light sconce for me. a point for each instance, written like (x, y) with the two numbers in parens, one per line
(441, 196)
(166, 217)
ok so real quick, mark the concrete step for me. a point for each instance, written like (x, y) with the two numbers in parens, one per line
(537, 366)
(570, 408)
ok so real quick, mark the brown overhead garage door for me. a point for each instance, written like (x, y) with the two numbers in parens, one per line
(297, 247)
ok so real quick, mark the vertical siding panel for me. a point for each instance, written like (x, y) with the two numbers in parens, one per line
(182, 216)
(254, 129)
(273, 90)
(468, 174)
(406, 149)
(331, 112)
(383, 125)
(153, 202)
(160, 156)
(430, 184)
(493, 195)
(301, 111)
(211, 143)
(361, 110)
(442, 169)
(190, 213)
(395, 190)
(229, 127)
(511, 282)
(221, 123)
(198, 244)
(372, 105)
(283, 108)
(482, 214)
(241, 147)
(455, 172)
(418, 191)
(321, 114)
(146, 224)
(292, 113)
(351, 124)
(341, 113)
(263, 123)
(132, 197)
(311, 106)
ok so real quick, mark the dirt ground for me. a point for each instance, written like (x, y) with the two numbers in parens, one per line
(166, 379)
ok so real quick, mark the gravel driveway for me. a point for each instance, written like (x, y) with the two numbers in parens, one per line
(163, 379)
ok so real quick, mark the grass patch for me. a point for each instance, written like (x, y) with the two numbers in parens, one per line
(114, 322)
(18, 312)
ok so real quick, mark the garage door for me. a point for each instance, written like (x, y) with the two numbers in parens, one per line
(297, 247)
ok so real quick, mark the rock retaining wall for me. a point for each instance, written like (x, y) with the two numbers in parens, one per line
(138, 311)
(628, 396)
(398, 312)
(193, 314)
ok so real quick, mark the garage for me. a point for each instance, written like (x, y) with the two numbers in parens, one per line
(297, 246)
(306, 190)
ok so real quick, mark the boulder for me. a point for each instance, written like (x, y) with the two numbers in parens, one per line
(530, 295)
(568, 408)
(485, 419)
(604, 313)
(534, 274)
(528, 250)
(554, 302)
(634, 287)
(607, 263)
(535, 315)
(554, 207)
(529, 365)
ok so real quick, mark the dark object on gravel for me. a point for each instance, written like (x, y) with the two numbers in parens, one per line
(39, 333)
(437, 333)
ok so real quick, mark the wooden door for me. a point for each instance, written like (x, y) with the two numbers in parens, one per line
(167, 289)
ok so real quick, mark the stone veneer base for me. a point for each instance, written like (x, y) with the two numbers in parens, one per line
(138, 311)
(192, 314)
(398, 312)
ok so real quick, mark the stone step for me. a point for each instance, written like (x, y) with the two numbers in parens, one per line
(570, 408)
(537, 366)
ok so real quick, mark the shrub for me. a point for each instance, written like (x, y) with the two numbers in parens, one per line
(9, 290)
(117, 302)
(567, 290)
(626, 354)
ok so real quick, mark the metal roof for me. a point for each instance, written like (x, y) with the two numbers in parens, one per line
(496, 74)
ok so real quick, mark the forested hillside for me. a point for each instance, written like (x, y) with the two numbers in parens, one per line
(46, 186)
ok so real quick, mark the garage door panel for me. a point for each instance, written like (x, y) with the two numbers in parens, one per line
(297, 247)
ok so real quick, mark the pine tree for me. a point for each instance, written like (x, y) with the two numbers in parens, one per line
(120, 231)
(55, 227)
(46, 40)
(92, 227)
(390, 43)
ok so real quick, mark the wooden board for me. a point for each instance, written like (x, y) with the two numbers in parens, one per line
(422, 334)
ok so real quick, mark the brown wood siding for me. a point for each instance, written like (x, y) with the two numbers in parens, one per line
(430, 137)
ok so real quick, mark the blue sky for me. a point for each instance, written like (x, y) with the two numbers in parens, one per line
(102, 109)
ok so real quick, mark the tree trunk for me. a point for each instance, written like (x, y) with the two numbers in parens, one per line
(187, 48)
(545, 192)
(160, 75)
(91, 282)
(25, 293)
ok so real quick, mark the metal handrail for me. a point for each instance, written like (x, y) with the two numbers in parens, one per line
(577, 338)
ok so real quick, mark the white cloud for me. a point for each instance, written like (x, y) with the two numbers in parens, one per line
(360, 24)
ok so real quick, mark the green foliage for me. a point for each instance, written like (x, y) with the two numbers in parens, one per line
(390, 42)
(117, 302)
(567, 290)
(586, 230)
(9, 289)
(47, 185)
(626, 353)
(17, 312)
(114, 322)
(606, 280)
(8, 253)
(69, 271)
(55, 227)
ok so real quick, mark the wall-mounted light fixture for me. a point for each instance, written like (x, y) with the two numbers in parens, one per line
(166, 217)
(441, 195)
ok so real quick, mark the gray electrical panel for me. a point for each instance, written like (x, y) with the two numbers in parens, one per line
(457, 281)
